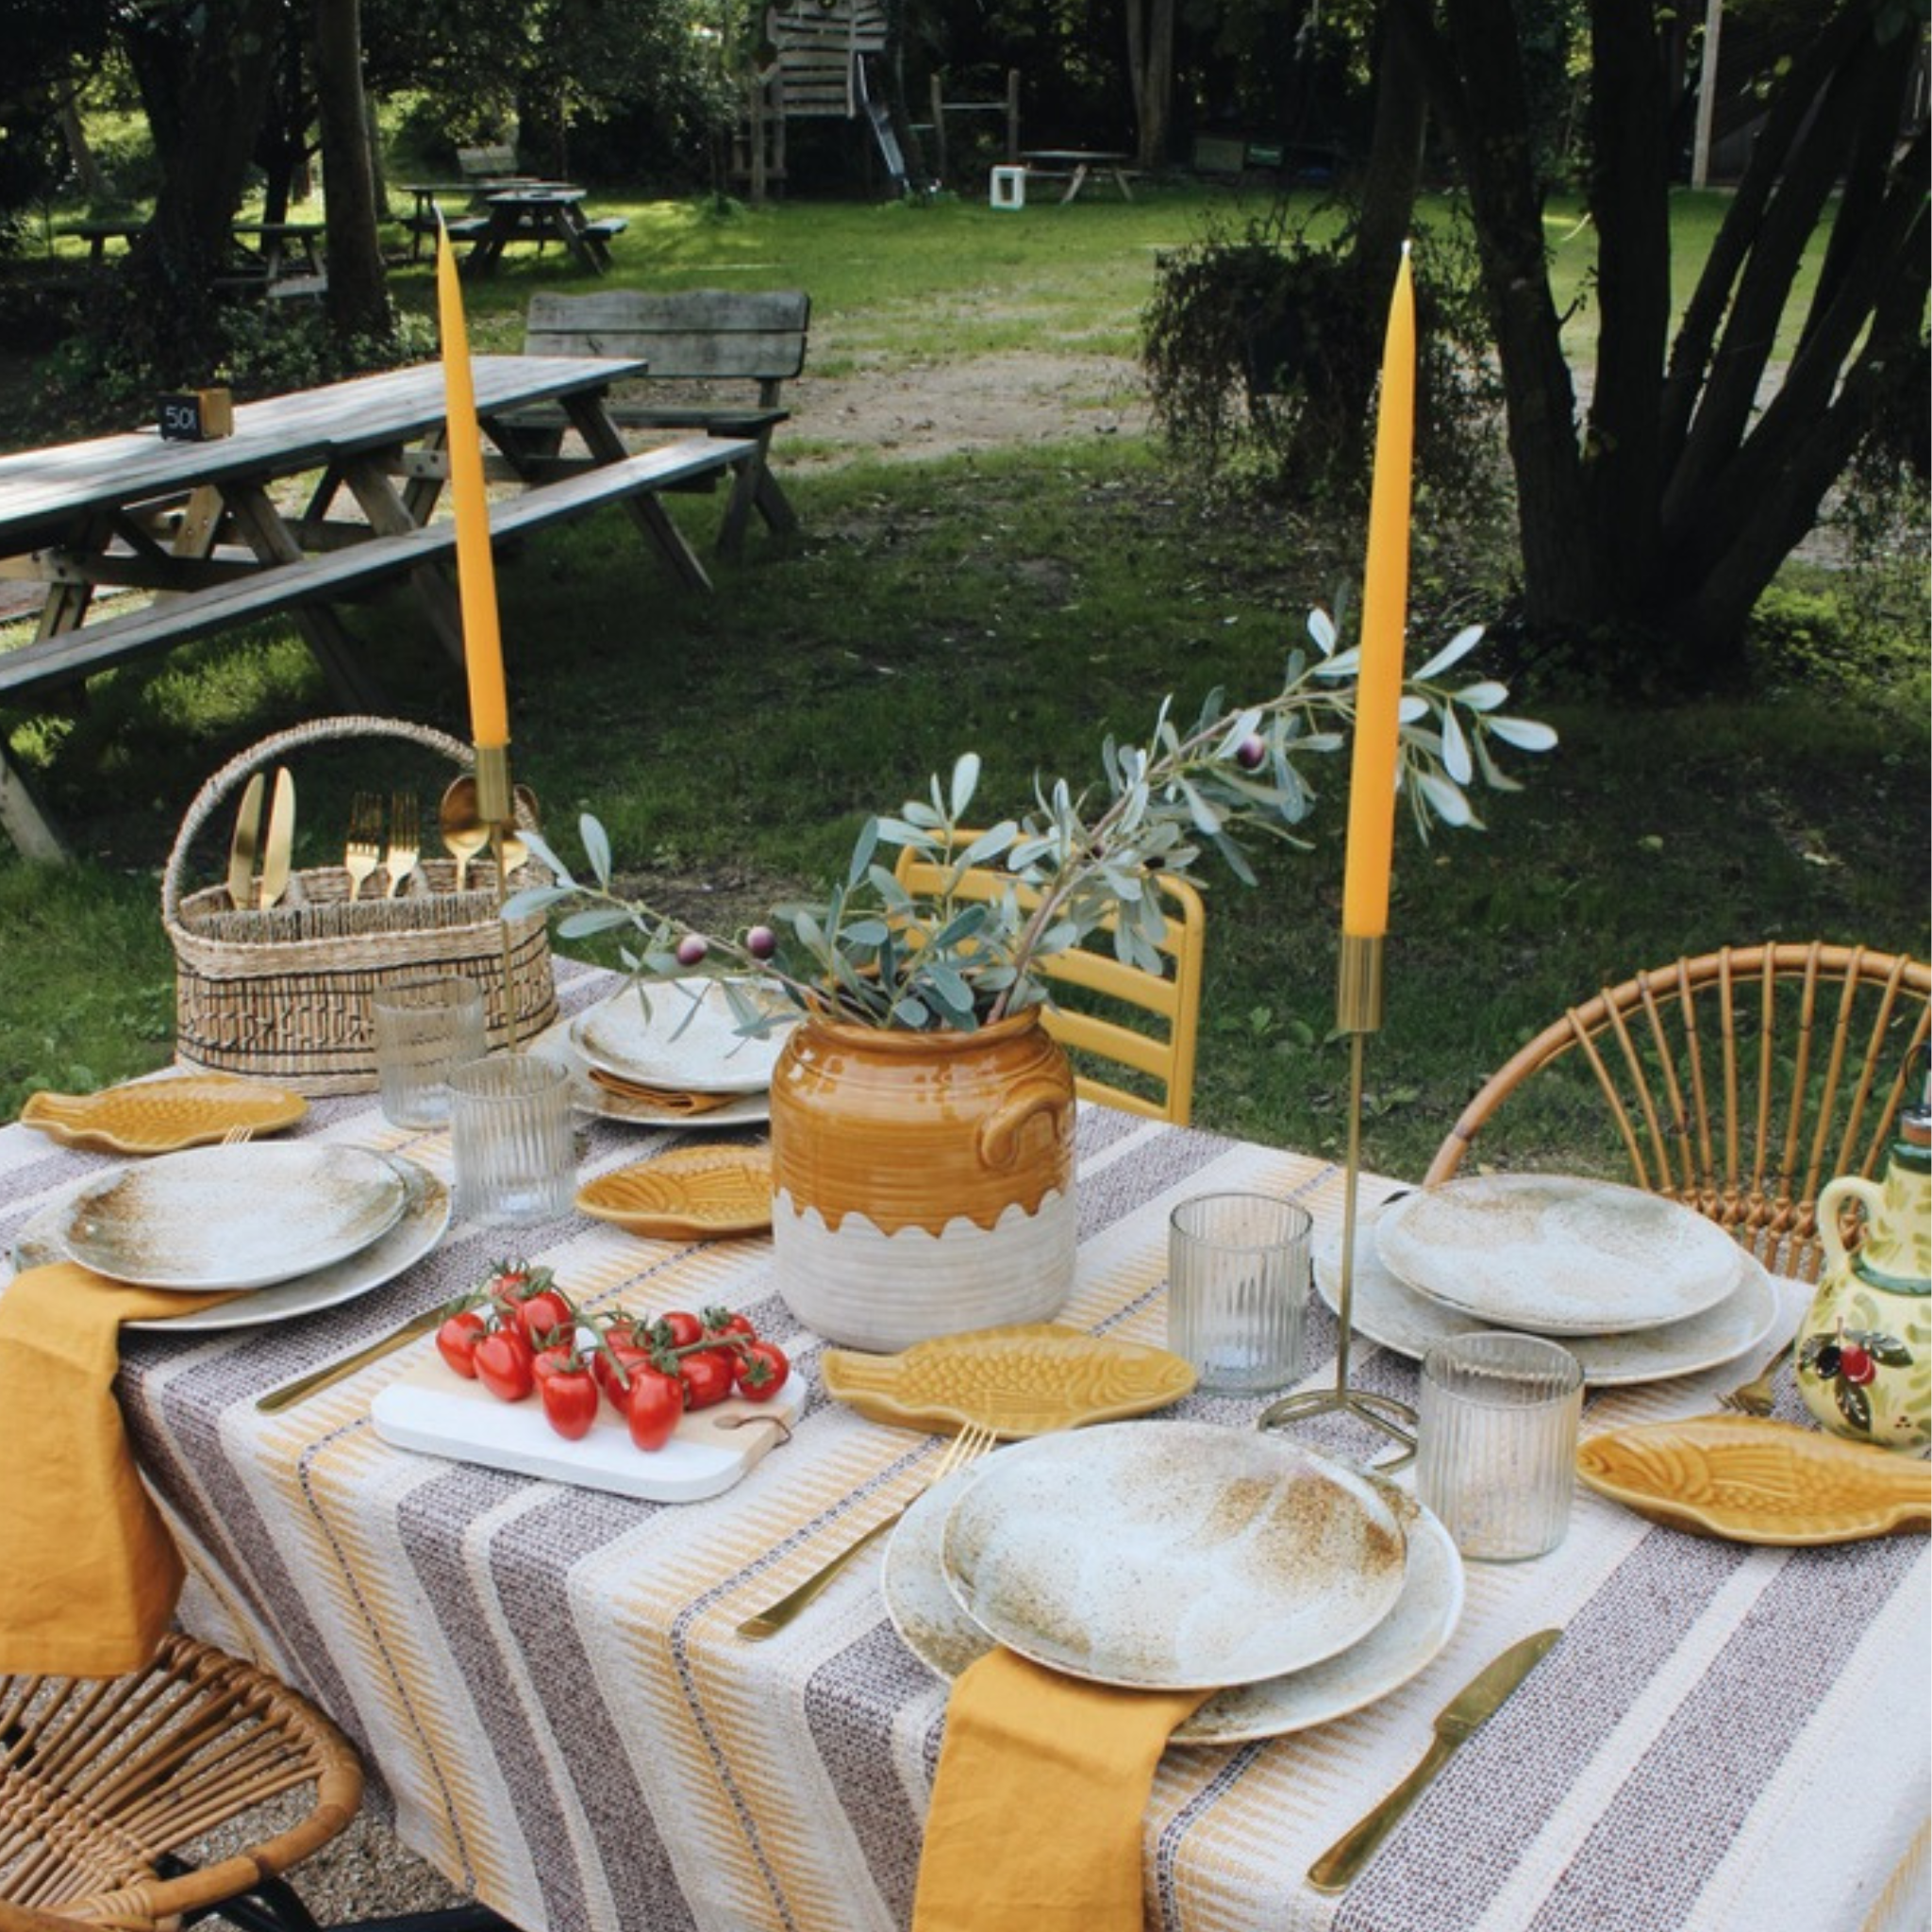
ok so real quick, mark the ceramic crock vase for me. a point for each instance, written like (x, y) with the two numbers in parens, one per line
(922, 1182)
(1864, 1352)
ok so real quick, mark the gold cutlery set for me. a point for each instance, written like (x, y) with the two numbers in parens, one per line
(394, 850)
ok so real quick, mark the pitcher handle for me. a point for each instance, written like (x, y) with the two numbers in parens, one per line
(1847, 1187)
(999, 1132)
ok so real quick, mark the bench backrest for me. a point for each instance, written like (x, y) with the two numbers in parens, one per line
(695, 333)
(483, 163)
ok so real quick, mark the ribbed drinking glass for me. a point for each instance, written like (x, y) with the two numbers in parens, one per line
(511, 1139)
(1236, 1283)
(1497, 1441)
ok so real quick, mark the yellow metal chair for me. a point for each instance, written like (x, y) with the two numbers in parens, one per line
(1161, 1048)
(1738, 1082)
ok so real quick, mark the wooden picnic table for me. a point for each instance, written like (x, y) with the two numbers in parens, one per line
(317, 496)
(1076, 166)
(542, 212)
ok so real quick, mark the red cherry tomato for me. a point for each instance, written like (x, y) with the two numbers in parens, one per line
(568, 1391)
(544, 1314)
(652, 1408)
(763, 1369)
(722, 1322)
(505, 1364)
(678, 1330)
(613, 1376)
(706, 1377)
(456, 1340)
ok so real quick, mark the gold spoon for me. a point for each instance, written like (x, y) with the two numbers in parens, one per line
(466, 835)
(463, 830)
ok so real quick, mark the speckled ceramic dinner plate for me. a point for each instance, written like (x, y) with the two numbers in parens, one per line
(1556, 1255)
(683, 1035)
(587, 1096)
(1391, 1314)
(934, 1626)
(233, 1217)
(425, 1214)
(1171, 1556)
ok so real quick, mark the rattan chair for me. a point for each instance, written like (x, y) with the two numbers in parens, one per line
(1143, 1023)
(1738, 1082)
(108, 1787)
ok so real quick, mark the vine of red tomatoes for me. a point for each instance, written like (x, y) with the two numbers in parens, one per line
(518, 1333)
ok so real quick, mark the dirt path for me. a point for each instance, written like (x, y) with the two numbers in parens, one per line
(1012, 401)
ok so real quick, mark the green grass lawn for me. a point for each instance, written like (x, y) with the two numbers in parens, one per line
(1023, 604)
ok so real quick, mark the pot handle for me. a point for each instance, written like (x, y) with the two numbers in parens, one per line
(999, 1132)
(1848, 1187)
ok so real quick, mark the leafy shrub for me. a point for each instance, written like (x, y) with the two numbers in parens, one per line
(1262, 350)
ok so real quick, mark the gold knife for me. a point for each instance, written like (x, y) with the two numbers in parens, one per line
(1460, 1718)
(276, 857)
(294, 1392)
(242, 846)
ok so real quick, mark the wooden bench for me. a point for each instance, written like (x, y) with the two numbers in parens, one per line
(709, 338)
(67, 657)
(488, 161)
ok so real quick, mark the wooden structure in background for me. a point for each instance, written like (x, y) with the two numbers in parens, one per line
(816, 71)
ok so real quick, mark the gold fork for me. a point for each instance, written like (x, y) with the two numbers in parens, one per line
(404, 840)
(1756, 1396)
(968, 1446)
(363, 853)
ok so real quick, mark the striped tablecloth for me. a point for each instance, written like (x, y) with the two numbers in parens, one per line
(546, 1682)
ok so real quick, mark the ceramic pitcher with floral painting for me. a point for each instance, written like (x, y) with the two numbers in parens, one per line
(1864, 1354)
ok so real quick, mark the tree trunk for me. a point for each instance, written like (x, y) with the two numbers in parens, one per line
(1388, 187)
(357, 293)
(1695, 479)
(206, 89)
(1150, 71)
(1477, 89)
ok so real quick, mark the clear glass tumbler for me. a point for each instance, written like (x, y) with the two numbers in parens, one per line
(512, 1140)
(424, 1030)
(1497, 1441)
(1236, 1283)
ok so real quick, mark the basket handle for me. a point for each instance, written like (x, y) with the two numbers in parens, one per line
(316, 731)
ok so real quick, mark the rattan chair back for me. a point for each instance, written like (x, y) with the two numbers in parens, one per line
(1144, 1024)
(1738, 1082)
(103, 1779)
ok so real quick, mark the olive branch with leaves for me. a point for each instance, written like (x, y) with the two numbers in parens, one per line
(875, 953)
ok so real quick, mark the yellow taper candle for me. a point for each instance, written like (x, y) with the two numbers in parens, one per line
(476, 571)
(1384, 610)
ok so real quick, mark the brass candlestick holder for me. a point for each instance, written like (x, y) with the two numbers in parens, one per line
(496, 806)
(1359, 1014)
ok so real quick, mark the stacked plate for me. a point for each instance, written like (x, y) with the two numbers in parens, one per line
(1180, 1555)
(674, 1056)
(283, 1228)
(1635, 1285)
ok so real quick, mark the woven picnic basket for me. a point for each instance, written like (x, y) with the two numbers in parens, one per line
(284, 992)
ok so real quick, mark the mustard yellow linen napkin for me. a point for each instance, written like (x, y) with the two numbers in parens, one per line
(672, 1100)
(89, 1574)
(1036, 1806)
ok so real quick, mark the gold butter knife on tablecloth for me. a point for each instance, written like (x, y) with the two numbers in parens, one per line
(241, 847)
(289, 1392)
(1460, 1718)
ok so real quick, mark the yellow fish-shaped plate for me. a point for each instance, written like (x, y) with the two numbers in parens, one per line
(1023, 1380)
(1752, 1480)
